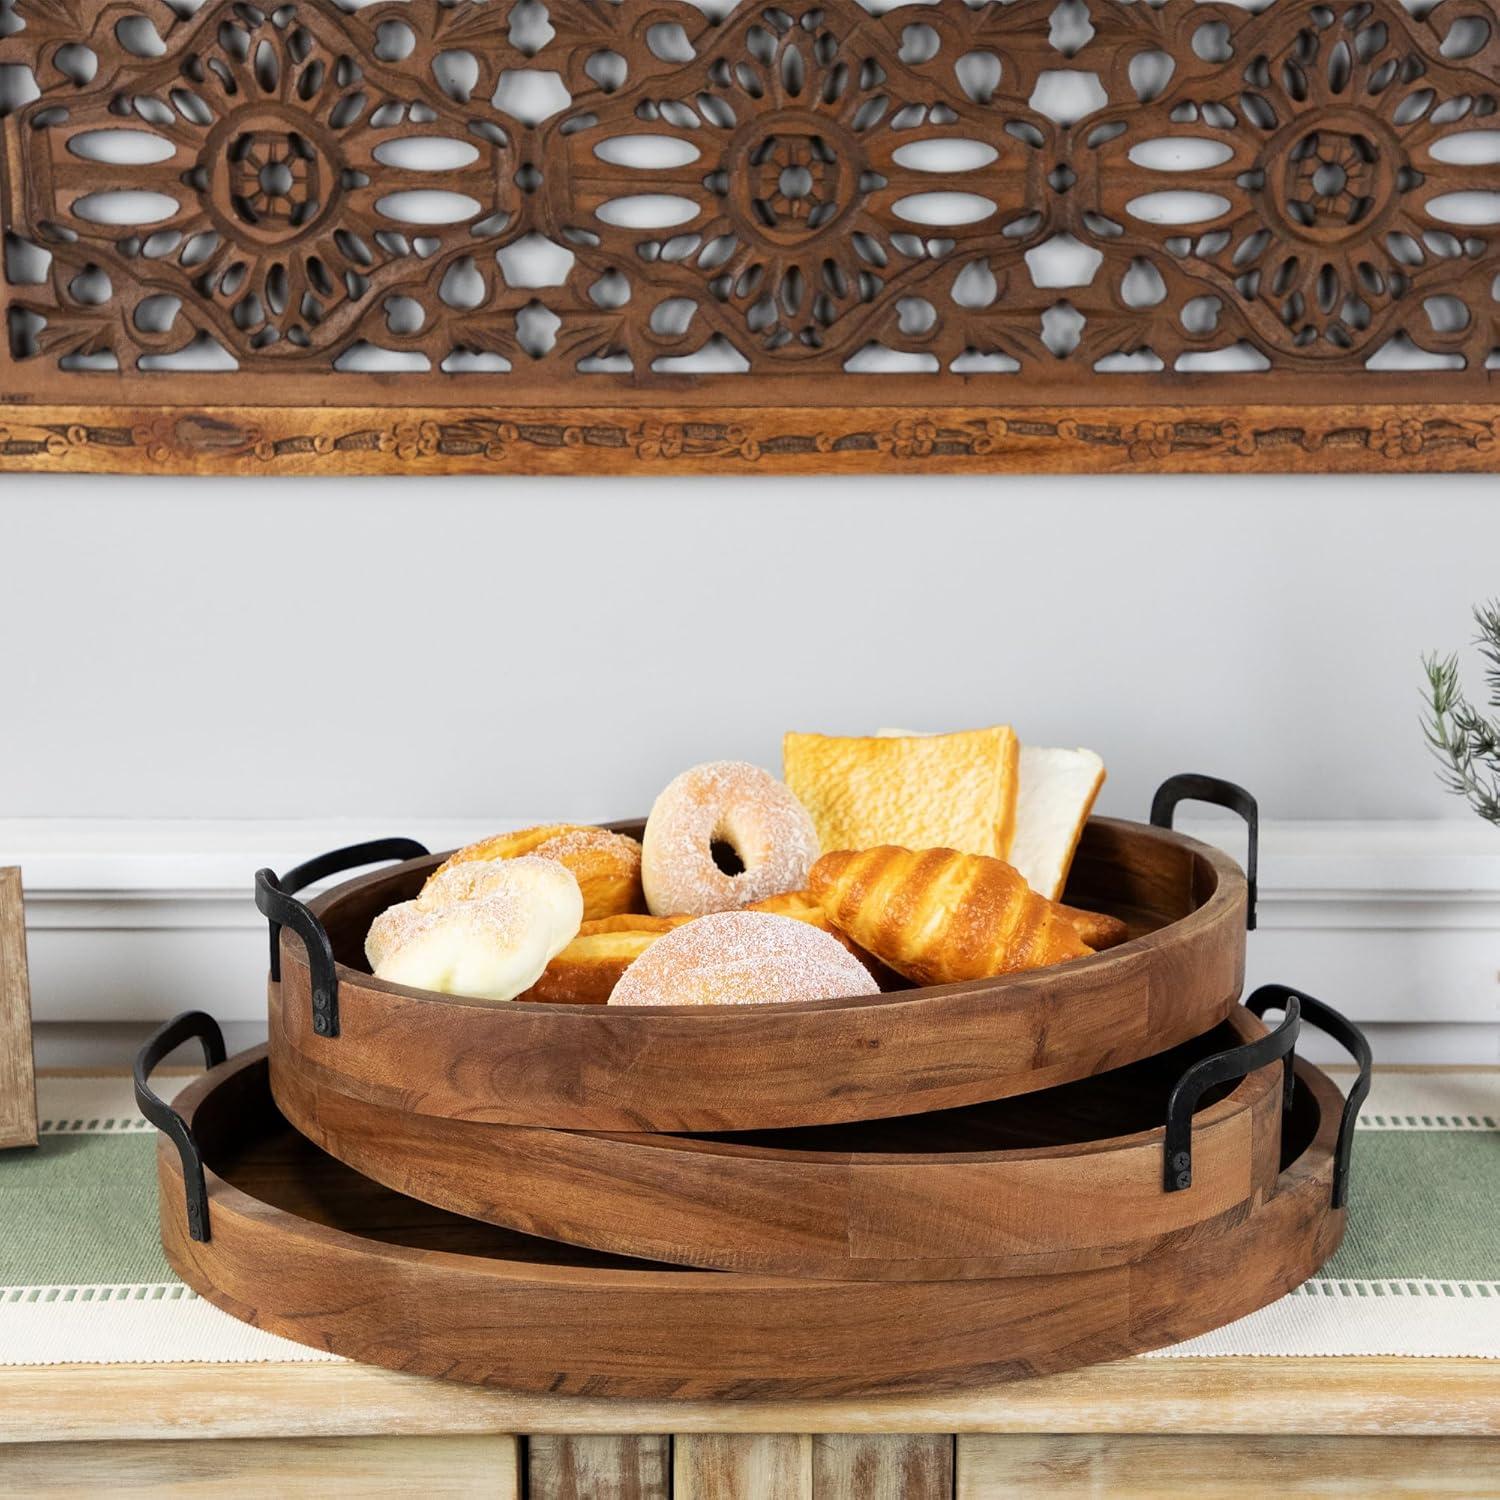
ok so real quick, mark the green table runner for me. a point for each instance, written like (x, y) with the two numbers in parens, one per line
(83, 1278)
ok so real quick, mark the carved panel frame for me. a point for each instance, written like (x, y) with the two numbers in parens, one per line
(764, 236)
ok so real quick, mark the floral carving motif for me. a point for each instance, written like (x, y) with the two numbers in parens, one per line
(792, 123)
(457, 442)
(271, 239)
(1061, 190)
(1326, 243)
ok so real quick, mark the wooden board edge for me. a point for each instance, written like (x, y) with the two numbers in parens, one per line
(1142, 1466)
(1159, 438)
(367, 1467)
(1260, 1395)
(18, 1122)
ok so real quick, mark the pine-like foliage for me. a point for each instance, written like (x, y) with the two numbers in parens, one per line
(1466, 741)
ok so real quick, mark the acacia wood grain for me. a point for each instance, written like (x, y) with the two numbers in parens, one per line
(17, 1073)
(1066, 1179)
(677, 1068)
(304, 1247)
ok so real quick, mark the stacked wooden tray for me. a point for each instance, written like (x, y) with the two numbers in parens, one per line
(912, 1191)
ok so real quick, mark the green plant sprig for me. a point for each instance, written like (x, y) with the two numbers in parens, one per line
(1465, 741)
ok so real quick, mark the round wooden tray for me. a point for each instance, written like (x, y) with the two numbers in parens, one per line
(1072, 1178)
(303, 1246)
(677, 1068)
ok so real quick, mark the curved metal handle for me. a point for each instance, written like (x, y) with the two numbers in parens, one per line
(275, 901)
(1190, 786)
(1348, 1036)
(1177, 1161)
(168, 1037)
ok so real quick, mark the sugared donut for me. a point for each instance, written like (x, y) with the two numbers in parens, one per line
(492, 944)
(606, 865)
(742, 958)
(721, 836)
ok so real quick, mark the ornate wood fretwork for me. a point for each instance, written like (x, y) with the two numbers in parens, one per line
(1108, 233)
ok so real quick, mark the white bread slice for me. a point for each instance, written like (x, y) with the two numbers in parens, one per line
(1053, 802)
(1055, 795)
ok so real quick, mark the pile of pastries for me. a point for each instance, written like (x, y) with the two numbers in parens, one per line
(876, 862)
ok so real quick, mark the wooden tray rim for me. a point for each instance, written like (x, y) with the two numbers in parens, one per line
(1085, 1204)
(1314, 1163)
(1229, 889)
(1244, 1096)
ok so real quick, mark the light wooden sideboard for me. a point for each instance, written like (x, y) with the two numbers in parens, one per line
(1143, 1427)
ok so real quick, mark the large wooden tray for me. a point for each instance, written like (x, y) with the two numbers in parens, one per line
(299, 1244)
(674, 1068)
(1072, 1178)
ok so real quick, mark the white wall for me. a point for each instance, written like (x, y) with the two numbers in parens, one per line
(402, 653)
(187, 648)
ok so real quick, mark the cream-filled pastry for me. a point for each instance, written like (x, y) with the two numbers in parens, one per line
(492, 943)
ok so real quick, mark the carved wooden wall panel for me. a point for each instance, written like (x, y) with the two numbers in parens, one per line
(581, 234)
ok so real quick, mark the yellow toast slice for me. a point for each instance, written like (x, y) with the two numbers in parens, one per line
(1054, 797)
(952, 791)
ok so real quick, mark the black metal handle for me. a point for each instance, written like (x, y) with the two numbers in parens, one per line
(274, 898)
(1190, 786)
(1348, 1036)
(168, 1037)
(1237, 1062)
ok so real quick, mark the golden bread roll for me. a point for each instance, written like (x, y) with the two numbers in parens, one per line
(937, 915)
(606, 865)
(590, 966)
(955, 791)
(492, 946)
(634, 921)
(798, 905)
(1097, 928)
(742, 958)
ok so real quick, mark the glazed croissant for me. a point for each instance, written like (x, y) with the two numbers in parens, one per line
(937, 916)
(1098, 929)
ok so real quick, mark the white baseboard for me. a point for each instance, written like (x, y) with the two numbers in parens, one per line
(1397, 924)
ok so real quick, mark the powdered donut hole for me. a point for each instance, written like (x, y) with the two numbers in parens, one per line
(721, 836)
(742, 958)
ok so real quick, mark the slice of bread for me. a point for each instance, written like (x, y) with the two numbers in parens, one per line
(1057, 794)
(951, 791)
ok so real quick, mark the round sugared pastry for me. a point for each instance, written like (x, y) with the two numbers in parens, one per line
(742, 958)
(606, 865)
(722, 836)
(491, 945)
